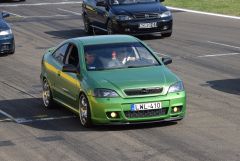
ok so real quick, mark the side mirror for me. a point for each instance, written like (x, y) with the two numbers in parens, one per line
(101, 3)
(166, 60)
(4, 14)
(69, 68)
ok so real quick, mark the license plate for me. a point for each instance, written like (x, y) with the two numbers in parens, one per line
(146, 106)
(148, 25)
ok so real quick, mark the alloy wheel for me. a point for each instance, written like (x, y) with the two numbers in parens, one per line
(46, 94)
(84, 110)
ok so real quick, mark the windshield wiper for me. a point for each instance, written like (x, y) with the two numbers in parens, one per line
(98, 69)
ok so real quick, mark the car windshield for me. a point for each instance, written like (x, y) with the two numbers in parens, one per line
(121, 2)
(118, 55)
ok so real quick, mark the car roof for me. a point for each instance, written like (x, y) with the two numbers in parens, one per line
(105, 39)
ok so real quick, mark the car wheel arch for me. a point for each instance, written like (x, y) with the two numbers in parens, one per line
(44, 77)
(89, 103)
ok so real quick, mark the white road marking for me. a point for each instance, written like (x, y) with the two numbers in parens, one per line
(74, 2)
(204, 13)
(216, 55)
(39, 4)
(75, 13)
(8, 116)
(212, 42)
(46, 16)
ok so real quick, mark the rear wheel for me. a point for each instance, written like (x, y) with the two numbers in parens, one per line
(47, 95)
(167, 34)
(84, 111)
(87, 27)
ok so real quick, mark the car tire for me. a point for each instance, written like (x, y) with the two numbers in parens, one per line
(87, 27)
(84, 111)
(167, 34)
(47, 95)
(110, 28)
(13, 51)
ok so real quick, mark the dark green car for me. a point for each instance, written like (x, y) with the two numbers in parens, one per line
(112, 79)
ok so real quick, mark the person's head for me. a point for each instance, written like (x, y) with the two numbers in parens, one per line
(90, 58)
(114, 55)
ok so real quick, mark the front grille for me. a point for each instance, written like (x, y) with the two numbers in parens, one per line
(146, 113)
(146, 15)
(143, 91)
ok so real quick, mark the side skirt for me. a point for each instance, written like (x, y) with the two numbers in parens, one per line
(67, 106)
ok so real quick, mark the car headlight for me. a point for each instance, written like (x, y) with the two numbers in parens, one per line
(105, 93)
(165, 14)
(177, 87)
(123, 17)
(6, 32)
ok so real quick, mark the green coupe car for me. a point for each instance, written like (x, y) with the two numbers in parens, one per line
(112, 79)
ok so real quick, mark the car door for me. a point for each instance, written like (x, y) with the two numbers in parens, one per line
(102, 15)
(56, 63)
(67, 82)
(89, 7)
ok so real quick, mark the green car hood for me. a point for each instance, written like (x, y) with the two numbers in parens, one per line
(131, 78)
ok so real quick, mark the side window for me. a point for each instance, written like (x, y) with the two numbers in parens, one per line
(72, 56)
(60, 53)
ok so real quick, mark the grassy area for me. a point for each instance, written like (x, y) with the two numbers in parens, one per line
(228, 7)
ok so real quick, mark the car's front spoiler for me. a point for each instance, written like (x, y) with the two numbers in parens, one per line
(172, 119)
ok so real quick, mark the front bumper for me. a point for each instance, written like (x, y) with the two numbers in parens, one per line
(100, 107)
(7, 44)
(132, 27)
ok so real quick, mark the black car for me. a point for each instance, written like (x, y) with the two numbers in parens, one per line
(135, 17)
(7, 45)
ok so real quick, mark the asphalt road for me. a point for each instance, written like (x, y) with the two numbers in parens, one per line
(206, 55)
